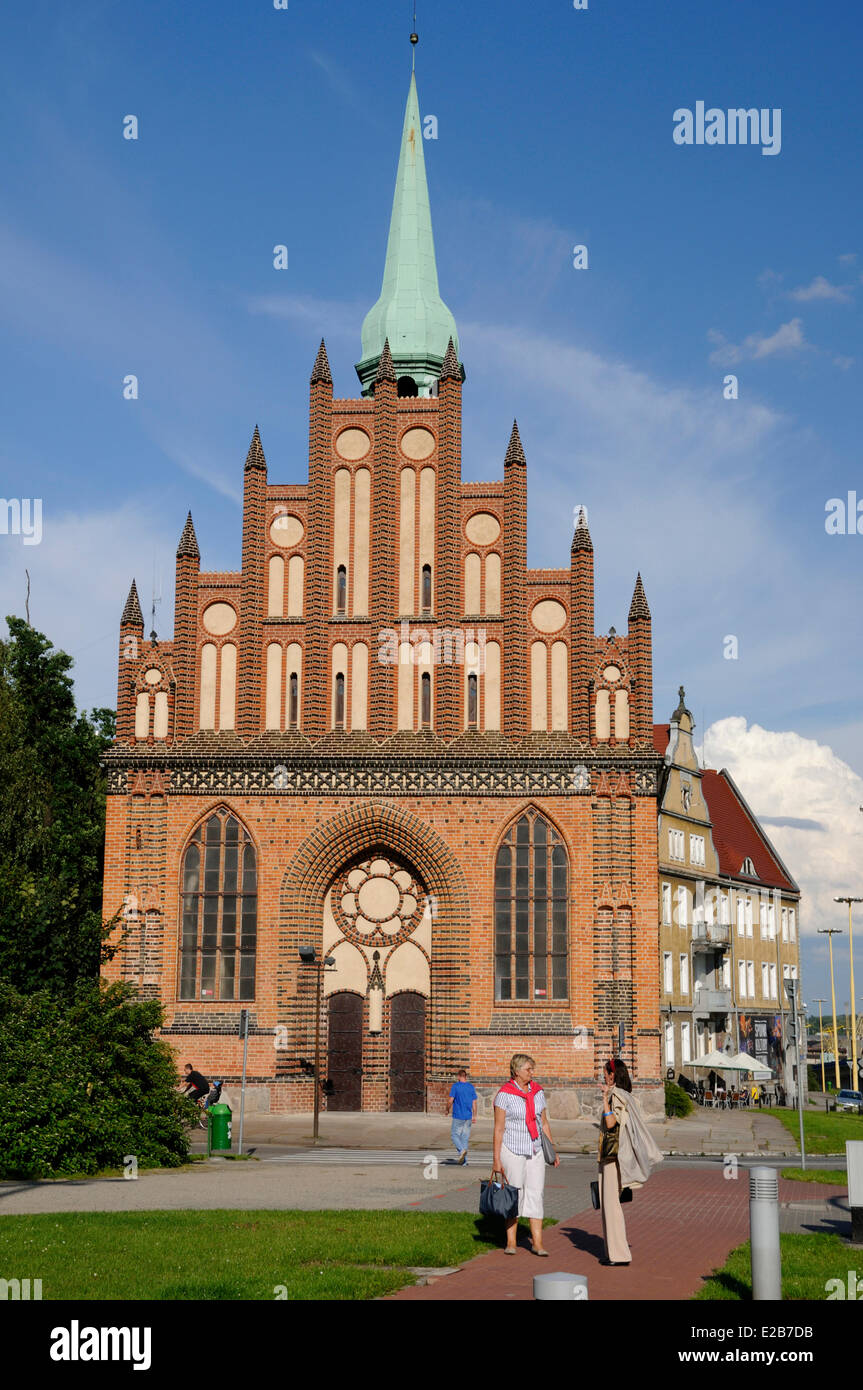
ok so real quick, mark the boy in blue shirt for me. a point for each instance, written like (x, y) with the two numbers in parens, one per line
(462, 1104)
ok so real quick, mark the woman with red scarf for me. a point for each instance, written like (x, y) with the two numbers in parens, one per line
(519, 1110)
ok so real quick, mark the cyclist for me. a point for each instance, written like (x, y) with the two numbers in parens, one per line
(196, 1085)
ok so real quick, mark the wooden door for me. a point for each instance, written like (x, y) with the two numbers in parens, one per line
(345, 1057)
(407, 1052)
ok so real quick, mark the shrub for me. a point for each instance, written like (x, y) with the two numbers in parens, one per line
(677, 1102)
(84, 1084)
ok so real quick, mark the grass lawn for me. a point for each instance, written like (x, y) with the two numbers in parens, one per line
(836, 1177)
(824, 1134)
(808, 1261)
(236, 1254)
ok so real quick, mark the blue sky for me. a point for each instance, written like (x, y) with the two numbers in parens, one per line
(260, 127)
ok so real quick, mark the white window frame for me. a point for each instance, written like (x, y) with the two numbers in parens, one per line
(684, 973)
(774, 987)
(666, 904)
(724, 910)
(741, 916)
(741, 978)
(785, 924)
(682, 906)
(685, 1043)
(747, 908)
(696, 849)
(792, 924)
(667, 972)
(765, 980)
(669, 1045)
(750, 978)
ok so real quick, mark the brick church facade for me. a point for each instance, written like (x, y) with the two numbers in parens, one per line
(387, 738)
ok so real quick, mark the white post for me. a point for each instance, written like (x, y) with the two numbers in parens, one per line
(854, 1159)
(764, 1234)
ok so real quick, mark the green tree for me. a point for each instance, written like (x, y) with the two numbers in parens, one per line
(84, 1084)
(52, 819)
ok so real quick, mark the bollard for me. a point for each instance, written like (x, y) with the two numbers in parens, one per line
(764, 1234)
(560, 1287)
(854, 1160)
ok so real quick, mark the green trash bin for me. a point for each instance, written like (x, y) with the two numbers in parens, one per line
(219, 1127)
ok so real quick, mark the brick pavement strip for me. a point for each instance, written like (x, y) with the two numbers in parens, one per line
(680, 1227)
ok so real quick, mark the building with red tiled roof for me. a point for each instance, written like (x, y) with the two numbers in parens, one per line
(729, 918)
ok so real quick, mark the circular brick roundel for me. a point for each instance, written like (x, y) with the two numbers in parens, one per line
(548, 615)
(218, 618)
(417, 443)
(482, 528)
(286, 530)
(353, 444)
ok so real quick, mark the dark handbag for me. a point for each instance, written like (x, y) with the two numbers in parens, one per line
(625, 1195)
(498, 1198)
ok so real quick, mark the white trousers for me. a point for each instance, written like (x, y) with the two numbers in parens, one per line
(528, 1175)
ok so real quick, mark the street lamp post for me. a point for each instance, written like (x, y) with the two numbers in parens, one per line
(819, 1002)
(830, 932)
(854, 1076)
(308, 956)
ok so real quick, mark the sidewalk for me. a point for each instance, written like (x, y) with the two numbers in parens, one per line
(744, 1132)
(680, 1228)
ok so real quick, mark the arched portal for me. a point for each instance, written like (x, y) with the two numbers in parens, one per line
(381, 892)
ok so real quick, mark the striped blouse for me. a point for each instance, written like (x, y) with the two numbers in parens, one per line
(515, 1134)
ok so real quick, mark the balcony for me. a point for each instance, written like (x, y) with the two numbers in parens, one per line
(707, 1000)
(709, 935)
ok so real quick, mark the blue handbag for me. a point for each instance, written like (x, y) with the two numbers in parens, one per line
(498, 1198)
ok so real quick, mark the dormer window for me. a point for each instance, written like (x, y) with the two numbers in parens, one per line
(341, 589)
(748, 869)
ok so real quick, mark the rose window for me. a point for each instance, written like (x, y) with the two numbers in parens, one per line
(378, 901)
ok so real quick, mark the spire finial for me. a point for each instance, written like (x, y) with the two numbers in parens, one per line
(581, 537)
(321, 369)
(132, 615)
(638, 608)
(415, 38)
(255, 456)
(188, 541)
(515, 452)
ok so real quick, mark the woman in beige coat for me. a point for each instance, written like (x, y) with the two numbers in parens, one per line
(615, 1095)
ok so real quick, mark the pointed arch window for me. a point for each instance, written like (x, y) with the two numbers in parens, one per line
(218, 938)
(425, 700)
(426, 587)
(294, 701)
(531, 911)
(341, 589)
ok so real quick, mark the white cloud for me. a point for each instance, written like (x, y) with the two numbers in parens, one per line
(848, 258)
(785, 777)
(843, 362)
(789, 337)
(80, 577)
(820, 289)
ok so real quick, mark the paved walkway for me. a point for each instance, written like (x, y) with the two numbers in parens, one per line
(744, 1132)
(680, 1228)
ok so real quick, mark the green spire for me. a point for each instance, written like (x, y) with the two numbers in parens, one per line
(410, 312)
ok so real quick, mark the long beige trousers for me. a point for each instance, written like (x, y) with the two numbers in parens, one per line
(613, 1225)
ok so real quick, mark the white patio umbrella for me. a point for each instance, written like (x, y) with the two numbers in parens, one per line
(743, 1062)
(714, 1061)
